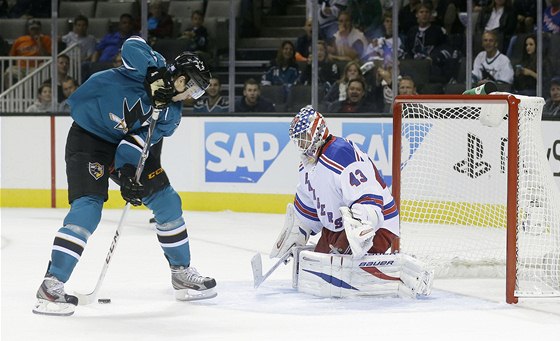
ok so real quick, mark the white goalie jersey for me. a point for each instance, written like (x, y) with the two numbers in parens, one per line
(342, 176)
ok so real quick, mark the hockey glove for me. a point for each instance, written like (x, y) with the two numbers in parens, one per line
(159, 88)
(131, 190)
(293, 234)
(359, 233)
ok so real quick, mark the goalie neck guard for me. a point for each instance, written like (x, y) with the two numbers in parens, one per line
(308, 131)
(198, 76)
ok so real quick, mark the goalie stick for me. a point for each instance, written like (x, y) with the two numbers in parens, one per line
(84, 299)
(256, 264)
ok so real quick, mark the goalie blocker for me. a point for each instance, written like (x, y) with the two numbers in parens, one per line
(330, 275)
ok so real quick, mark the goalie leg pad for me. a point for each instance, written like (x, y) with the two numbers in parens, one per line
(328, 275)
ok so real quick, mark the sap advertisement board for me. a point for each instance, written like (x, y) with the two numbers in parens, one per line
(212, 154)
(255, 155)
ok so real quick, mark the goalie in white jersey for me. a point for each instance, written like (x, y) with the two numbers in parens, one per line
(341, 194)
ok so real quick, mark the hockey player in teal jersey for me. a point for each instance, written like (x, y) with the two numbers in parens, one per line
(111, 112)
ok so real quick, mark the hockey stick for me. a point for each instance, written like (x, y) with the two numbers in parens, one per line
(256, 264)
(84, 299)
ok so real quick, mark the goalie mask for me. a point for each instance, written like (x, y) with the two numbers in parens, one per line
(308, 131)
(197, 75)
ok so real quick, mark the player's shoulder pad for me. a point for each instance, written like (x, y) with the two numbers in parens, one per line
(337, 154)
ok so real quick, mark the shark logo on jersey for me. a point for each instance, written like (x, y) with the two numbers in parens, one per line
(130, 116)
(96, 170)
(242, 152)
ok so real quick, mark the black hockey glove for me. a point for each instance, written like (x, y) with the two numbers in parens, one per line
(131, 190)
(159, 88)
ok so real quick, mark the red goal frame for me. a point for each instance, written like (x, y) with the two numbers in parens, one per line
(513, 152)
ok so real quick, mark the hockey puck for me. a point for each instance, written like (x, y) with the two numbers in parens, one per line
(104, 301)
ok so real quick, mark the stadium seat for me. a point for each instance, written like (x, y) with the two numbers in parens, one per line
(72, 9)
(115, 9)
(11, 29)
(220, 8)
(275, 94)
(419, 70)
(183, 9)
(98, 27)
(63, 26)
(170, 48)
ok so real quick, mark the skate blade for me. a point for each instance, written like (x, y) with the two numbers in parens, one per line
(45, 307)
(195, 295)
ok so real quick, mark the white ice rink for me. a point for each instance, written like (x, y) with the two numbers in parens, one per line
(222, 244)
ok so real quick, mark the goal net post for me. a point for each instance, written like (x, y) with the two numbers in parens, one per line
(475, 189)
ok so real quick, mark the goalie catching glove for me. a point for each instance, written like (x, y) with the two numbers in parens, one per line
(293, 234)
(131, 190)
(159, 88)
(360, 223)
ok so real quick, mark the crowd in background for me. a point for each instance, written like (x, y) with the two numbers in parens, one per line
(355, 51)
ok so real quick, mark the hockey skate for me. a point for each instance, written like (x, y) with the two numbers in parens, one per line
(189, 285)
(53, 300)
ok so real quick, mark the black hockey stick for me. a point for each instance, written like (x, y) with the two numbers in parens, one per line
(89, 298)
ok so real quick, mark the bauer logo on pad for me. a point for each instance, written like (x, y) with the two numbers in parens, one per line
(242, 151)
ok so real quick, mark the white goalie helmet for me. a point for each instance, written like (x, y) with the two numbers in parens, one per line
(308, 131)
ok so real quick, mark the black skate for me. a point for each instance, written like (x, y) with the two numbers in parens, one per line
(189, 285)
(52, 300)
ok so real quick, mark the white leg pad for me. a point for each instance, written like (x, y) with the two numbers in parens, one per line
(328, 275)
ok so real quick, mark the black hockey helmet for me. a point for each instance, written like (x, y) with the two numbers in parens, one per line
(189, 65)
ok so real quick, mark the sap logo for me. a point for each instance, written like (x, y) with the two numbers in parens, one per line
(376, 263)
(376, 139)
(240, 151)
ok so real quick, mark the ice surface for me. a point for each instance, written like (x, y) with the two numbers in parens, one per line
(222, 244)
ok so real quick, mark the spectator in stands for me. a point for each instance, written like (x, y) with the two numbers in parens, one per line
(348, 43)
(43, 101)
(111, 43)
(429, 41)
(491, 64)
(525, 12)
(407, 16)
(367, 17)
(328, 72)
(303, 43)
(79, 35)
(68, 88)
(283, 70)
(551, 108)
(380, 50)
(329, 11)
(34, 44)
(62, 67)
(551, 19)
(355, 99)
(525, 78)
(160, 24)
(212, 102)
(338, 90)
(252, 100)
(498, 16)
(196, 34)
(407, 86)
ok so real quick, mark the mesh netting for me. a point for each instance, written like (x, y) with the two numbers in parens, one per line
(454, 188)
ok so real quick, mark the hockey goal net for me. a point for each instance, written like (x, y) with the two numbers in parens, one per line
(475, 190)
